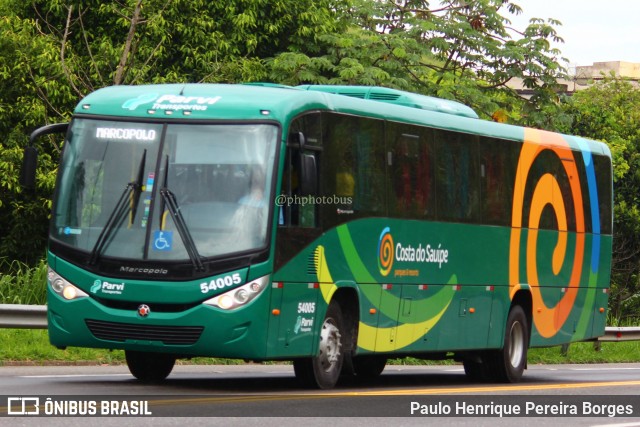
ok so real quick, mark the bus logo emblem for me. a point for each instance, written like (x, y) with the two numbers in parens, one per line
(145, 98)
(97, 285)
(385, 252)
(144, 310)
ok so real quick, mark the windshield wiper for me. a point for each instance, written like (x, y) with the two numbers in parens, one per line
(170, 203)
(130, 194)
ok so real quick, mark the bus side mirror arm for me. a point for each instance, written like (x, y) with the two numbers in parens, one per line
(30, 157)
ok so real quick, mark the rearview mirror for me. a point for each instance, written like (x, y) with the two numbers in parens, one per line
(30, 157)
(29, 165)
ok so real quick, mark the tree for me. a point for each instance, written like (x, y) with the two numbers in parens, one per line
(460, 49)
(609, 111)
(54, 52)
(31, 96)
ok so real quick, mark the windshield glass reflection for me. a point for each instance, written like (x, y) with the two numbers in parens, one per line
(219, 176)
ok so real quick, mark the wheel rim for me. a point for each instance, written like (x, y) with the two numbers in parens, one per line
(329, 345)
(516, 347)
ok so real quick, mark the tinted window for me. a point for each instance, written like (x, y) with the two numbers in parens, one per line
(499, 160)
(411, 166)
(457, 177)
(603, 178)
(353, 174)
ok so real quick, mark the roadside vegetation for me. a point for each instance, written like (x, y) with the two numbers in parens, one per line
(31, 347)
(22, 284)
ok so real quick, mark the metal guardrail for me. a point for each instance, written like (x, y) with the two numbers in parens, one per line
(23, 316)
(35, 317)
(620, 333)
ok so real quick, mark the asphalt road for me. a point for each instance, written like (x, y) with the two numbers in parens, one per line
(268, 395)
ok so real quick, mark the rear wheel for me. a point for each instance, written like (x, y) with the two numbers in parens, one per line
(323, 370)
(368, 367)
(476, 367)
(149, 367)
(509, 363)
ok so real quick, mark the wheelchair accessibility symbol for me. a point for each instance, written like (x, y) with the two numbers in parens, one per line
(162, 240)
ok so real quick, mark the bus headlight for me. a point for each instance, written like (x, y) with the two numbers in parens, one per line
(239, 296)
(63, 288)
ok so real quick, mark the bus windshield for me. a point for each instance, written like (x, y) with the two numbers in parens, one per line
(152, 191)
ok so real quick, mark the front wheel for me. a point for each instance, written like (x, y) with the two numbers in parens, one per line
(323, 371)
(149, 367)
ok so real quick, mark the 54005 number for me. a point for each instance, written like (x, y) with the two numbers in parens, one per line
(221, 283)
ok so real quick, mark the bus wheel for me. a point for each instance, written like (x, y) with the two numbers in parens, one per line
(511, 360)
(368, 367)
(476, 368)
(323, 370)
(149, 367)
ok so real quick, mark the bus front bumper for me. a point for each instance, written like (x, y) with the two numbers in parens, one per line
(202, 330)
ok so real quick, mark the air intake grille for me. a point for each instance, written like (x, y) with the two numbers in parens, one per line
(383, 96)
(360, 95)
(312, 264)
(170, 335)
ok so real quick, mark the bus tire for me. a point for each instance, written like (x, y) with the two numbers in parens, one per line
(368, 367)
(323, 371)
(510, 361)
(475, 368)
(149, 367)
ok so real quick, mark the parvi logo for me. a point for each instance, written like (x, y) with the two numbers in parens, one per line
(97, 285)
(107, 287)
(171, 102)
(134, 103)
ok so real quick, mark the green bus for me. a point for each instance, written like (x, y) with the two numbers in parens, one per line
(332, 226)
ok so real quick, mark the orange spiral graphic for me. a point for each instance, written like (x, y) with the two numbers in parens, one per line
(548, 320)
(385, 252)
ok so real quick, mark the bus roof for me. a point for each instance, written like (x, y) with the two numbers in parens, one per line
(279, 103)
(398, 97)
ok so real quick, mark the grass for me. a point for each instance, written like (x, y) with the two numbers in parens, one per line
(31, 346)
(610, 352)
(22, 284)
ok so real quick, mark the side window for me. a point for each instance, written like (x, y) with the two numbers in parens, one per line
(410, 160)
(457, 177)
(302, 166)
(353, 176)
(567, 195)
(603, 177)
(499, 160)
(297, 213)
(369, 168)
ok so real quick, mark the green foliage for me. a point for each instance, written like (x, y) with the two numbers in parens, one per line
(31, 346)
(465, 50)
(54, 52)
(31, 96)
(583, 352)
(608, 111)
(22, 284)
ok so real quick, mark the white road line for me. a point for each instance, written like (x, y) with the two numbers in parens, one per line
(75, 375)
(604, 369)
(636, 424)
